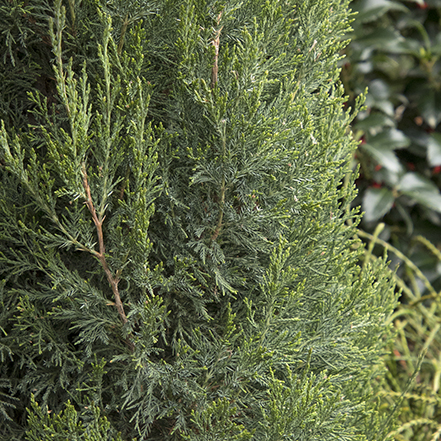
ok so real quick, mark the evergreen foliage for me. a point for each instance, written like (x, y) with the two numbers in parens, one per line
(177, 252)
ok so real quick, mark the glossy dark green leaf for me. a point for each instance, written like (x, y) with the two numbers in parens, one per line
(430, 107)
(434, 149)
(376, 203)
(380, 39)
(378, 97)
(421, 189)
(390, 140)
(405, 46)
(379, 89)
(374, 120)
(386, 106)
(414, 182)
(428, 199)
(419, 137)
(436, 47)
(384, 157)
(369, 10)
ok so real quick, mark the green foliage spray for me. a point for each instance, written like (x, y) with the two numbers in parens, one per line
(177, 255)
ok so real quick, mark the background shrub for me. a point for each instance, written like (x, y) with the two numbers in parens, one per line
(395, 52)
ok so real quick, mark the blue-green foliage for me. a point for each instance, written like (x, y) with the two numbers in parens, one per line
(179, 212)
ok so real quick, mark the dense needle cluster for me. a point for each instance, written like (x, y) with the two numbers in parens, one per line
(177, 252)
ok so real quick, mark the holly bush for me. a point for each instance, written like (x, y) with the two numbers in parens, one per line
(395, 52)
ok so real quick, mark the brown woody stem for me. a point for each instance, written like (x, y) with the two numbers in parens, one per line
(123, 34)
(216, 42)
(214, 80)
(101, 255)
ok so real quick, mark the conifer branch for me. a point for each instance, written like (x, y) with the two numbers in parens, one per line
(72, 14)
(102, 253)
(216, 42)
(221, 212)
(223, 189)
(214, 78)
(56, 38)
(124, 184)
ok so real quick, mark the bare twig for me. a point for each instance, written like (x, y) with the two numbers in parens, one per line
(101, 255)
(123, 33)
(214, 79)
(216, 42)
